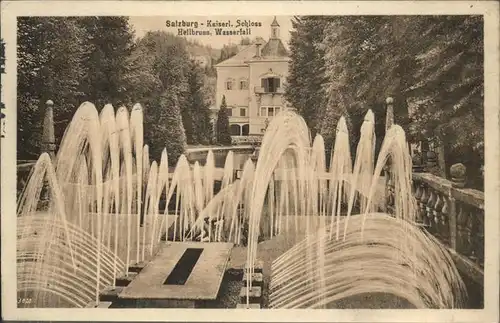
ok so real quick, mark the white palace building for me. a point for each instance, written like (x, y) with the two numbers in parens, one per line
(253, 83)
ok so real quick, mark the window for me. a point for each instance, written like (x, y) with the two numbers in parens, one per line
(245, 130)
(270, 84)
(243, 112)
(235, 130)
(229, 111)
(229, 84)
(243, 84)
(275, 32)
(269, 111)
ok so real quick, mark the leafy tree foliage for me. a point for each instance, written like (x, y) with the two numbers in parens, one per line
(431, 65)
(165, 129)
(74, 59)
(111, 43)
(306, 72)
(227, 51)
(197, 105)
(223, 135)
(177, 74)
(51, 53)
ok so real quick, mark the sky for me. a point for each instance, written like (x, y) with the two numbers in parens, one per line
(142, 25)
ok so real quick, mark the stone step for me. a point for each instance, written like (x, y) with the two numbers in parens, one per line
(258, 267)
(257, 279)
(110, 294)
(255, 295)
(249, 306)
(137, 267)
(123, 281)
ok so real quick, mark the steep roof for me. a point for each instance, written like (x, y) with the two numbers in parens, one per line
(274, 48)
(241, 57)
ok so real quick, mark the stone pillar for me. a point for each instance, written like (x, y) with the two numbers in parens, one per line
(48, 136)
(417, 163)
(389, 121)
(48, 146)
(440, 155)
(389, 114)
(431, 165)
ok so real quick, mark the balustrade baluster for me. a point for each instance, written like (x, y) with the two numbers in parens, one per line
(428, 210)
(443, 228)
(454, 214)
(461, 233)
(418, 195)
(469, 230)
(436, 215)
(479, 238)
(452, 220)
(423, 202)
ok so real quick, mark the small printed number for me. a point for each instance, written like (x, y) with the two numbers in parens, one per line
(24, 301)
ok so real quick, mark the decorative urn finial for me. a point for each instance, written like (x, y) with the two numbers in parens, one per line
(458, 174)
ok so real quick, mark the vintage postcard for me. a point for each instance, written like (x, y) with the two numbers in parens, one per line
(250, 161)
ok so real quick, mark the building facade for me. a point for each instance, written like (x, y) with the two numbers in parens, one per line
(253, 82)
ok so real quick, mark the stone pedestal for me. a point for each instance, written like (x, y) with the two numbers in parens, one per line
(125, 280)
(255, 295)
(458, 174)
(137, 267)
(258, 267)
(257, 279)
(110, 294)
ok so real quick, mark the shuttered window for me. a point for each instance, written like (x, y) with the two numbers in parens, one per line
(271, 84)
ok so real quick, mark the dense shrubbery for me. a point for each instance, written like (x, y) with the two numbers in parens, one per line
(249, 140)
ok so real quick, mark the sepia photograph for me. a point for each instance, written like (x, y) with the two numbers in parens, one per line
(281, 160)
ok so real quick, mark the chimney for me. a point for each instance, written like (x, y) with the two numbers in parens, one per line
(257, 46)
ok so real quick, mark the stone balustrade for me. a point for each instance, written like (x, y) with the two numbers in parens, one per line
(24, 168)
(453, 214)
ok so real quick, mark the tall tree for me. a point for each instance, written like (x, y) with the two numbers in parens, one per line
(142, 83)
(431, 65)
(111, 40)
(166, 66)
(306, 72)
(165, 129)
(223, 135)
(197, 105)
(227, 51)
(171, 64)
(50, 55)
